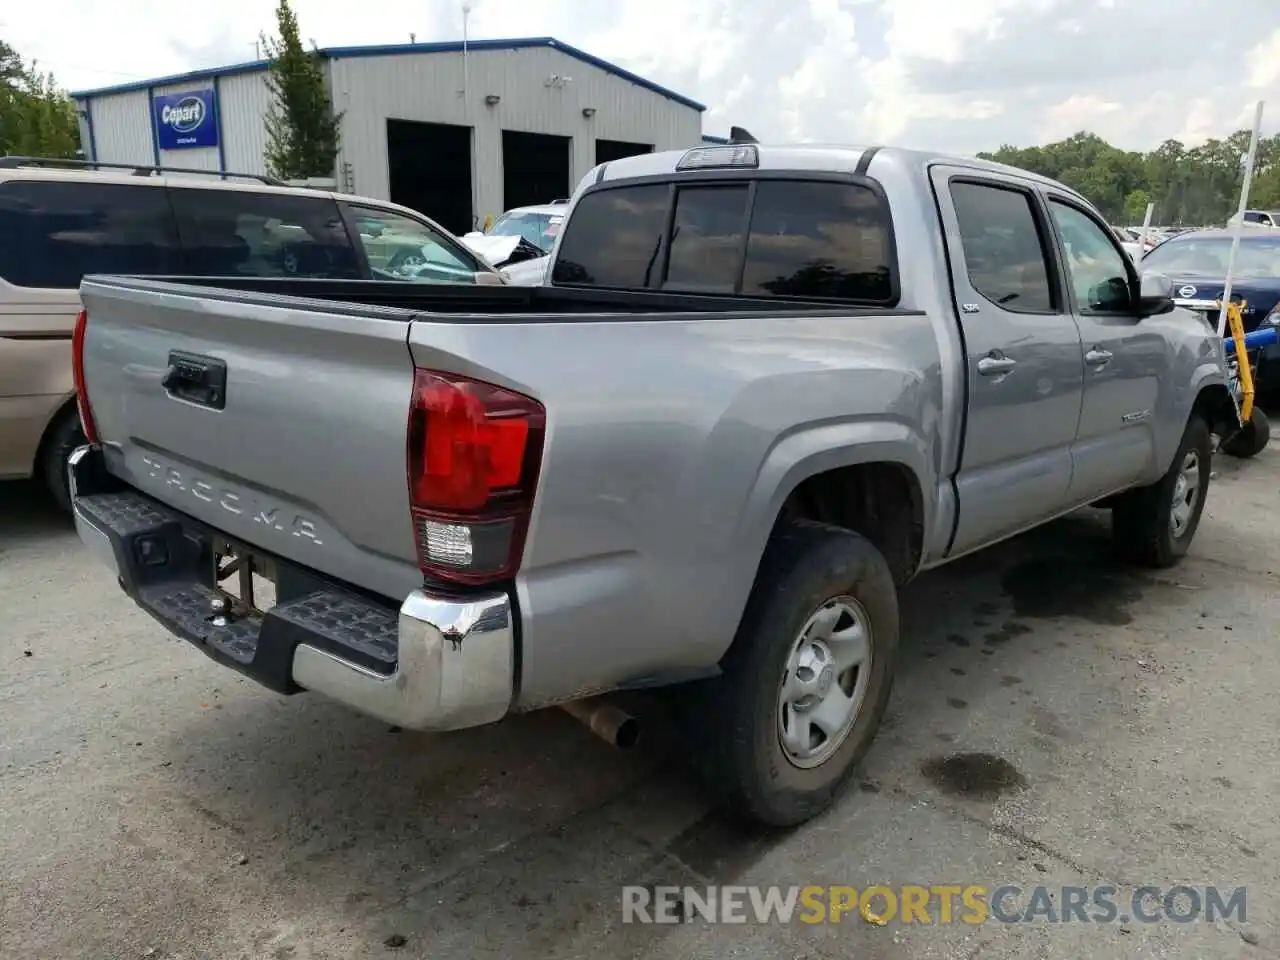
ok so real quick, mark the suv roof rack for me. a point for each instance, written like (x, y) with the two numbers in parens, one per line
(139, 169)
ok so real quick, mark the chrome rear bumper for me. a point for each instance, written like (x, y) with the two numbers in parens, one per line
(435, 663)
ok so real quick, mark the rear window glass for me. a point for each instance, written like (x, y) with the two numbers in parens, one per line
(805, 239)
(228, 233)
(52, 234)
(829, 240)
(706, 238)
(614, 238)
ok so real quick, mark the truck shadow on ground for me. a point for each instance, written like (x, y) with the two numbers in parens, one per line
(523, 833)
(27, 513)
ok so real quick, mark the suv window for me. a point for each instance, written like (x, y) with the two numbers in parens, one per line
(1003, 249)
(400, 248)
(1096, 268)
(614, 238)
(52, 233)
(706, 238)
(811, 239)
(245, 233)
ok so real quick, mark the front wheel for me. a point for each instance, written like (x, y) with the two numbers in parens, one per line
(1251, 439)
(805, 684)
(1154, 525)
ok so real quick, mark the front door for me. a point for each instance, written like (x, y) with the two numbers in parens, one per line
(1123, 358)
(1022, 356)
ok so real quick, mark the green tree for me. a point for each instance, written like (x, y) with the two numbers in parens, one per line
(36, 117)
(1135, 205)
(1196, 186)
(302, 129)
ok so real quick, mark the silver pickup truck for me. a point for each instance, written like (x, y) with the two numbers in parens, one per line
(763, 388)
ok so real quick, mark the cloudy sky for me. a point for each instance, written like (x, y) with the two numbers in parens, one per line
(954, 75)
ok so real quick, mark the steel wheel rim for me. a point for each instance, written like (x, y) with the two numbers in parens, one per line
(1186, 494)
(825, 682)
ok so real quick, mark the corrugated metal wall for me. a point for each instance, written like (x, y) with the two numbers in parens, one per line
(428, 87)
(243, 99)
(122, 128)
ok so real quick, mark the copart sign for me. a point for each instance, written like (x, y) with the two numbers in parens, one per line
(186, 120)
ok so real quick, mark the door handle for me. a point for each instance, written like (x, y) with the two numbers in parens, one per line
(996, 366)
(1098, 357)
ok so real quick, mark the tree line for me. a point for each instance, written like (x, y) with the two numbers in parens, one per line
(37, 118)
(1192, 186)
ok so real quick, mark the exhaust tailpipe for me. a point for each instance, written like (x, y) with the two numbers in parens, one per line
(607, 721)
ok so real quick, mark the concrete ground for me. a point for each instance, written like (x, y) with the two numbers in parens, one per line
(154, 805)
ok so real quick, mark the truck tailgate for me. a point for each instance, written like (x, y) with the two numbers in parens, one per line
(280, 423)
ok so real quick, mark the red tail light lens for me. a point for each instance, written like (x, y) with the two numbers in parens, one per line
(474, 451)
(77, 369)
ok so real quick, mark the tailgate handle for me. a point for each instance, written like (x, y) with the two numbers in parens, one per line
(196, 379)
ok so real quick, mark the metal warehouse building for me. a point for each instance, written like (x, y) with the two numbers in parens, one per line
(457, 131)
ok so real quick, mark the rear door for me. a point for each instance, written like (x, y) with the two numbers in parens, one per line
(1124, 359)
(52, 232)
(1022, 355)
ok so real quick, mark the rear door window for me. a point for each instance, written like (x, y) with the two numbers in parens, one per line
(52, 234)
(228, 233)
(1004, 252)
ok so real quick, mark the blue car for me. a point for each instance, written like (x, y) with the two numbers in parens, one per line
(1196, 262)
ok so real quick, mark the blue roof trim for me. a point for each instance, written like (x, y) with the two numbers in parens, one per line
(451, 46)
(208, 73)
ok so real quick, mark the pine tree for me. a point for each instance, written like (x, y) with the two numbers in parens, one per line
(37, 118)
(302, 129)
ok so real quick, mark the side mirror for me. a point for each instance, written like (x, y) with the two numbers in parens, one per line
(1155, 294)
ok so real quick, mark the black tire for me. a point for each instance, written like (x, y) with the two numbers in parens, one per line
(63, 436)
(1142, 528)
(736, 716)
(1252, 438)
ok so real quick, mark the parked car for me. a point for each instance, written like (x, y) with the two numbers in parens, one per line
(1257, 219)
(764, 388)
(519, 240)
(1196, 263)
(62, 219)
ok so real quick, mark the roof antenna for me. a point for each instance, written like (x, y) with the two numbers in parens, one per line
(740, 135)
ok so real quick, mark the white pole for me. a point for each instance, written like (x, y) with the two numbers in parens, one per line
(466, 14)
(1238, 227)
(1146, 227)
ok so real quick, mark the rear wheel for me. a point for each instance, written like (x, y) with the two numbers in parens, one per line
(1154, 525)
(62, 438)
(805, 684)
(1252, 438)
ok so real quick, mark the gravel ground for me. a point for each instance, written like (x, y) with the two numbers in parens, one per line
(154, 805)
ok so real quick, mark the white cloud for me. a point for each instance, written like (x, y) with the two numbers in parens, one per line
(959, 75)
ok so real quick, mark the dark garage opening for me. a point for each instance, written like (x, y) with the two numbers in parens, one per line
(535, 168)
(607, 150)
(430, 171)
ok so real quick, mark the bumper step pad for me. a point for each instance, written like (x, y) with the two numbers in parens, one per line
(166, 565)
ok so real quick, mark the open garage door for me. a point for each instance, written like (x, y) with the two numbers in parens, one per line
(607, 150)
(535, 168)
(430, 171)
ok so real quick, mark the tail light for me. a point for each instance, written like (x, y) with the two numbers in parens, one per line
(474, 453)
(77, 369)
